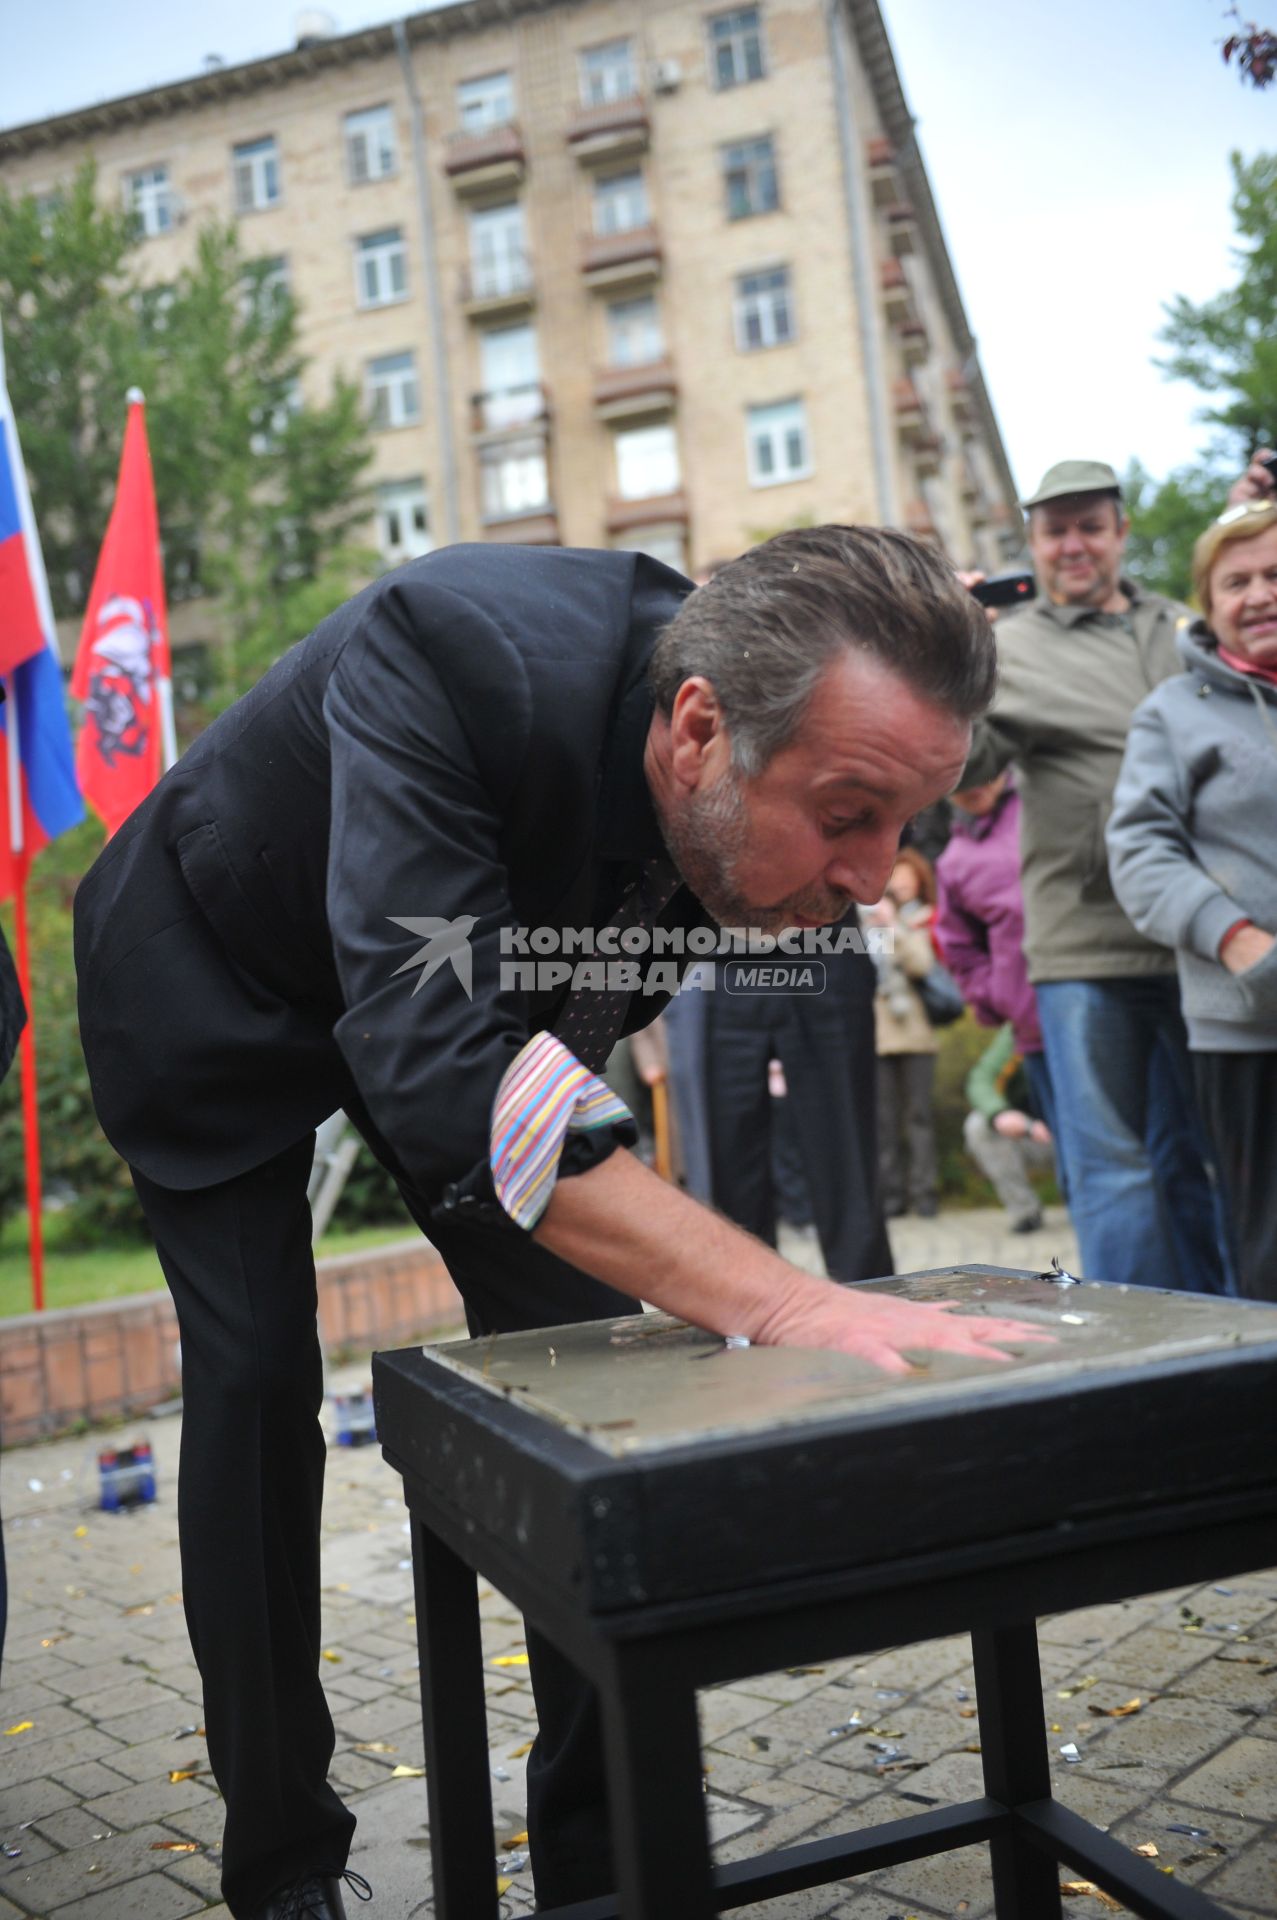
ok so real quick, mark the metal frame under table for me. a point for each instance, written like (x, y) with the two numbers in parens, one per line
(673, 1513)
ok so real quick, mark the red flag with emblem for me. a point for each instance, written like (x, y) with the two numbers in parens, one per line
(123, 671)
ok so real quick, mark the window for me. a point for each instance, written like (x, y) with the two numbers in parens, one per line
(749, 175)
(764, 309)
(403, 520)
(776, 439)
(271, 416)
(381, 268)
(498, 262)
(486, 102)
(511, 375)
(255, 169)
(646, 462)
(607, 73)
(666, 544)
(736, 47)
(370, 145)
(620, 202)
(394, 398)
(514, 479)
(264, 289)
(634, 337)
(149, 196)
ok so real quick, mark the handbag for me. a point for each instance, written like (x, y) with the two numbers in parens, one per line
(941, 1000)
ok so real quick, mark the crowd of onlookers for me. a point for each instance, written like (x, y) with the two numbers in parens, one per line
(1100, 893)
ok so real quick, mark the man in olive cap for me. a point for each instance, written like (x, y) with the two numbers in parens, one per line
(1073, 665)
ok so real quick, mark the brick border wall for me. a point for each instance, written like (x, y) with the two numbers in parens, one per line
(119, 1357)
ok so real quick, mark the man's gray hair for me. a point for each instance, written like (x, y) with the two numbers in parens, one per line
(767, 625)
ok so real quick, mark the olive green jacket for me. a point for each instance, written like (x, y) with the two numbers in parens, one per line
(1069, 680)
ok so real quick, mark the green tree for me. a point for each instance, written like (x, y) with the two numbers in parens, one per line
(261, 495)
(1166, 518)
(261, 501)
(1227, 348)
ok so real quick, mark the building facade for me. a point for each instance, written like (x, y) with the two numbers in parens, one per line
(667, 276)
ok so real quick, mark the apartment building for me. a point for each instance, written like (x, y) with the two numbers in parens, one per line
(666, 275)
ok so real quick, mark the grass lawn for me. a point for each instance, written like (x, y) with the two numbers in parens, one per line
(75, 1275)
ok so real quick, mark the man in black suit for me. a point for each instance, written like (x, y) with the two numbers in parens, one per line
(317, 909)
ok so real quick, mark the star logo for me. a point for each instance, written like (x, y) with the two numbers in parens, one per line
(445, 940)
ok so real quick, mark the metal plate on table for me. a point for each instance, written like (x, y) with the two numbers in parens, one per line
(650, 1382)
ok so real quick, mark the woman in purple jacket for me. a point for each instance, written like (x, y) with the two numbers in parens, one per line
(980, 922)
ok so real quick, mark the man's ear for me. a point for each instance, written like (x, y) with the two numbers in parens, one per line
(698, 735)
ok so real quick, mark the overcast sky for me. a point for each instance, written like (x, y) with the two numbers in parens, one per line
(1079, 156)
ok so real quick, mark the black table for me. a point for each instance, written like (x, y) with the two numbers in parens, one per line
(673, 1512)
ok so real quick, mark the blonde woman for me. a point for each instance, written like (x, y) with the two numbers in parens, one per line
(1193, 856)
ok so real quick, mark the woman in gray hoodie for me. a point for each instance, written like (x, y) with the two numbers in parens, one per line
(1192, 843)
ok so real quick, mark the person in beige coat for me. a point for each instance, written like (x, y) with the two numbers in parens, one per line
(906, 1041)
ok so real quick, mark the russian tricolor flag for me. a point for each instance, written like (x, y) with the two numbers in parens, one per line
(42, 775)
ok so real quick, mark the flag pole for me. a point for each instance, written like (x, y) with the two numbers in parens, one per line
(164, 677)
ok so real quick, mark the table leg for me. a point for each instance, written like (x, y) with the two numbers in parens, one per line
(1026, 1881)
(454, 1718)
(656, 1790)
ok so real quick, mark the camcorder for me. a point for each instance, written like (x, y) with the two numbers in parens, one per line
(1005, 589)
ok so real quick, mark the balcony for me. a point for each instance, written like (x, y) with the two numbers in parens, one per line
(501, 285)
(918, 521)
(627, 393)
(915, 344)
(912, 419)
(619, 259)
(902, 230)
(896, 296)
(928, 452)
(961, 398)
(509, 410)
(658, 510)
(612, 130)
(487, 158)
(884, 180)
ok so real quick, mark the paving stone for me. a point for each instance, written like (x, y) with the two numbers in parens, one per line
(201, 1872)
(1250, 1879)
(154, 1898)
(1194, 1861)
(69, 1827)
(35, 1798)
(90, 1778)
(62, 1750)
(71, 1880)
(943, 1882)
(131, 1806)
(1242, 1776)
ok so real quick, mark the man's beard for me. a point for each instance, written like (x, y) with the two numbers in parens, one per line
(708, 838)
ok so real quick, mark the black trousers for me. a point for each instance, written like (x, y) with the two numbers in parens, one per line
(825, 1043)
(237, 1258)
(1237, 1095)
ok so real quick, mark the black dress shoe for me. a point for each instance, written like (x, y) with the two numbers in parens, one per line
(316, 1896)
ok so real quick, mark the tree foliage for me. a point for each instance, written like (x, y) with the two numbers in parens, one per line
(261, 500)
(1255, 50)
(1227, 348)
(260, 495)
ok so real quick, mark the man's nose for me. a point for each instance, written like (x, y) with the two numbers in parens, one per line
(864, 876)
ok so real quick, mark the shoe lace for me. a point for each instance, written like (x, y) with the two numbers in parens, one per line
(300, 1899)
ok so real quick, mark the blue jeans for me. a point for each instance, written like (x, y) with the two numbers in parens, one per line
(1127, 1133)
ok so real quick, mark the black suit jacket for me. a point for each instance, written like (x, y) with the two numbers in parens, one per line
(465, 737)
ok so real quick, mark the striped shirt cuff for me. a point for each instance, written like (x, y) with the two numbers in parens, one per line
(545, 1094)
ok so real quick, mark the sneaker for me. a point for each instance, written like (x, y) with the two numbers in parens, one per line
(1028, 1222)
